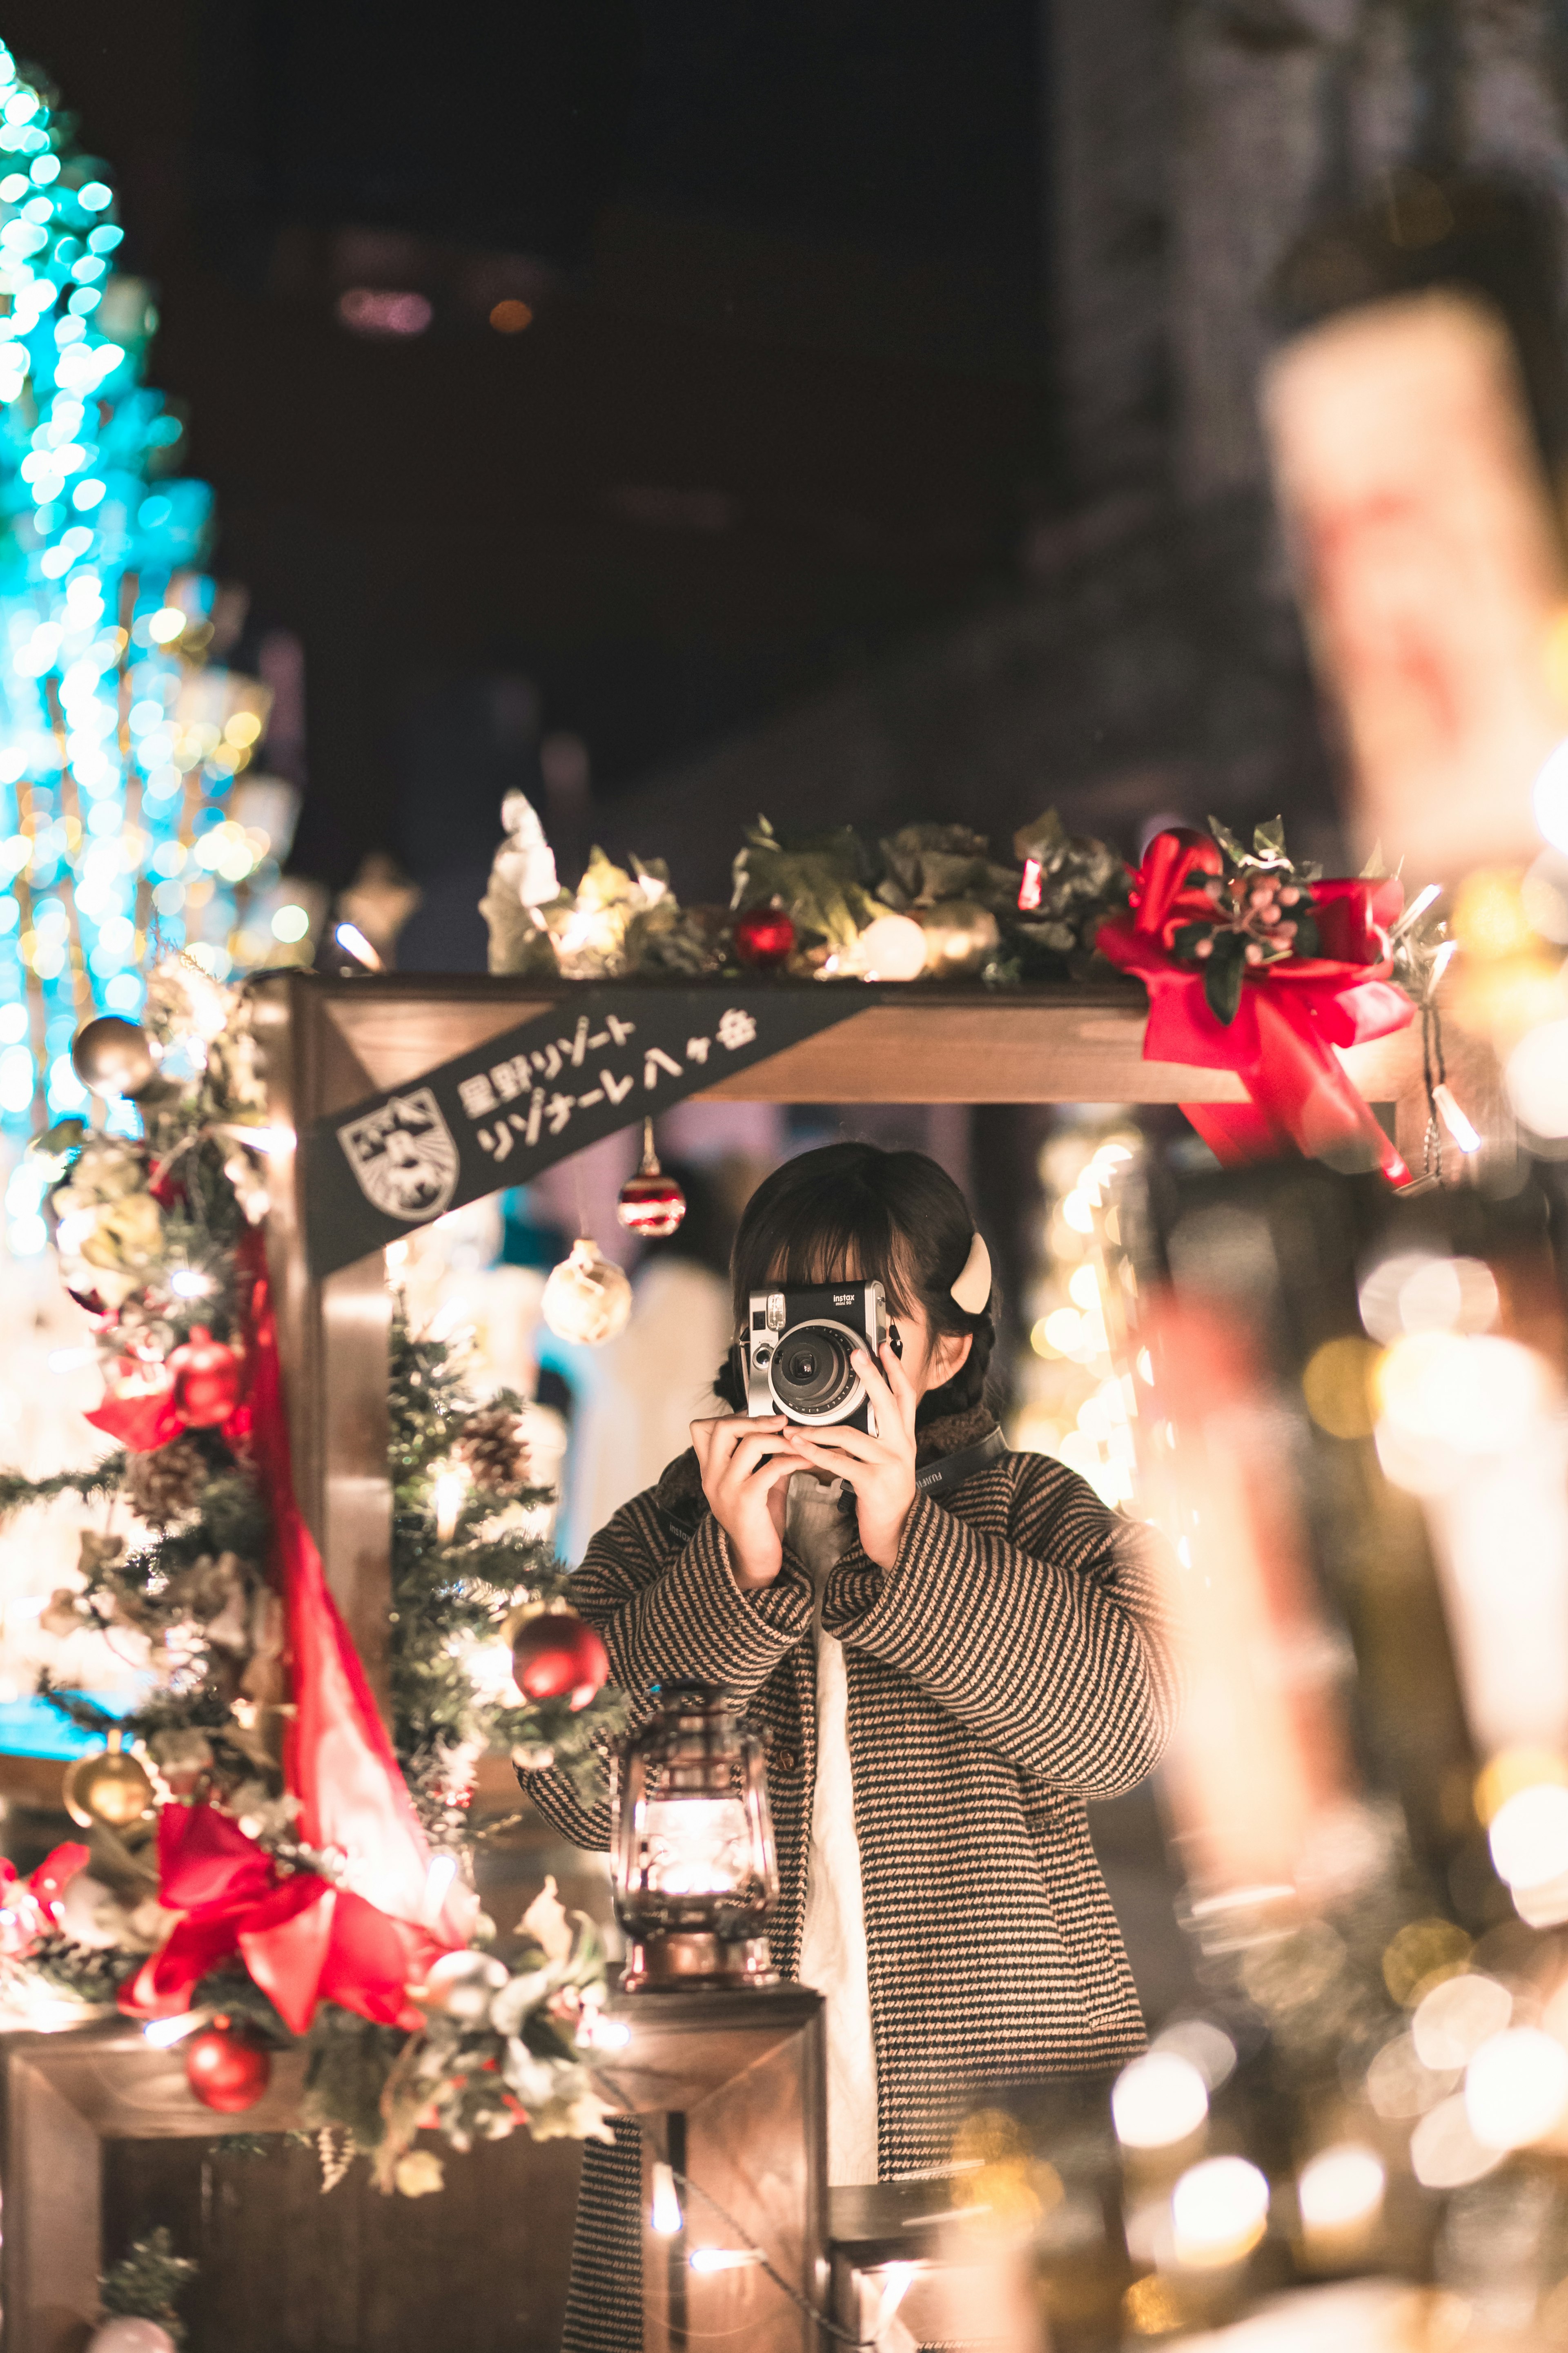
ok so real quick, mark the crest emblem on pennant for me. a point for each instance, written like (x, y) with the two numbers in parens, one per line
(404, 1156)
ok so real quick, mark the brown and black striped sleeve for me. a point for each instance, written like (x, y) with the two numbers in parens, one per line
(1053, 1643)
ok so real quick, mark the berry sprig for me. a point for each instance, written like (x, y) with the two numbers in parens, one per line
(1263, 916)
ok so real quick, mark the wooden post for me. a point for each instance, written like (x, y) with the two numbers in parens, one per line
(734, 2087)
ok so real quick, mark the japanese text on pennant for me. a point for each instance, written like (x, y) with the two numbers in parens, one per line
(602, 1060)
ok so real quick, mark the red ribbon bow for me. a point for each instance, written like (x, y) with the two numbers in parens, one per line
(1292, 1013)
(361, 1942)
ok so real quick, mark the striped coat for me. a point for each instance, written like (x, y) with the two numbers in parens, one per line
(1016, 1660)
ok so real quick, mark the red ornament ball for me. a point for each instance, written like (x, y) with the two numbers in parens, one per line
(650, 1203)
(206, 1379)
(227, 2067)
(764, 937)
(555, 1654)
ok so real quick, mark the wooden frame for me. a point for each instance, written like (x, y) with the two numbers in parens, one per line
(328, 1042)
(61, 2097)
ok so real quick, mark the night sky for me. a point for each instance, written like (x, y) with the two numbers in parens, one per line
(783, 399)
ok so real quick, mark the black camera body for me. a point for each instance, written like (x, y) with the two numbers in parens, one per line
(794, 1360)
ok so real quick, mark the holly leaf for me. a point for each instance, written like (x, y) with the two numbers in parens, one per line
(1184, 941)
(1228, 843)
(1042, 840)
(1222, 979)
(1268, 840)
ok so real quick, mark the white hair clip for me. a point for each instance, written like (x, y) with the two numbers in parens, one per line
(973, 1289)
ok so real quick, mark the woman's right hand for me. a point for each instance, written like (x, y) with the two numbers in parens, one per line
(746, 1463)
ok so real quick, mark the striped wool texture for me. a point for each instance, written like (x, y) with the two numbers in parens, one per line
(1016, 1660)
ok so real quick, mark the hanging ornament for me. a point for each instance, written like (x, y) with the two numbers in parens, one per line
(126, 2333)
(959, 936)
(115, 1058)
(555, 1654)
(227, 2067)
(764, 937)
(206, 1379)
(650, 1203)
(106, 1787)
(587, 1298)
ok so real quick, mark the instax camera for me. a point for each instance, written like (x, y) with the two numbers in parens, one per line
(796, 1352)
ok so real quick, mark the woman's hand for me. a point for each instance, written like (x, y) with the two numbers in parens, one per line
(882, 1469)
(746, 1465)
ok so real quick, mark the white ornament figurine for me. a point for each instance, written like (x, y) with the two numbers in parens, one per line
(522, 880)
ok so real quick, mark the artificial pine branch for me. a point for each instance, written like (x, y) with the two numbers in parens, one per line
(148, 2283)
(97, 1484)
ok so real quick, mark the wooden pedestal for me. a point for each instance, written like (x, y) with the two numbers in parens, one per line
(731, 2089)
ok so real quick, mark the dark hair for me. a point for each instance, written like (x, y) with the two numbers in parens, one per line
(888, 1217)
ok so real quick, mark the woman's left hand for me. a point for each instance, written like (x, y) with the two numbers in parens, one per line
(882, 1469)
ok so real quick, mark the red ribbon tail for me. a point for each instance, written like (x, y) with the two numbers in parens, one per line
(1236, 1133)
(1300, 1083)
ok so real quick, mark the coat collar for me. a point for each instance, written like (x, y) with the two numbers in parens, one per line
(678, 1494)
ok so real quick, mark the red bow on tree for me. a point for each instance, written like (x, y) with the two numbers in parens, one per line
(1290, 1011)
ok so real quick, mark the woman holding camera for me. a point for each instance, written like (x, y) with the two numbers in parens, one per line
(943, 1677)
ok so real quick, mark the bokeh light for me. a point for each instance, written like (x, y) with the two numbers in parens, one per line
(1516, 2088)
(1340, 2189)
(1158, 2099)
(1220, 2210)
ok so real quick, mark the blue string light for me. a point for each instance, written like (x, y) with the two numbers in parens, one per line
(119, 746)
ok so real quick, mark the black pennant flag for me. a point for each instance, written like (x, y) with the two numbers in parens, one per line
(607, 1058)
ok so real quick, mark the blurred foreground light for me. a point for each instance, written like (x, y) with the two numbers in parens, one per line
(1158, 2099)
(1456, 2018)
(1418, 1291)
(1528, 1836)
(1220, 2210)
(379, 310)
(722, 2259)
(1442, 1397)
(1337, 1386)
(1513, 1769)
(1536, 1076)
(1516, 2088)
(1205, 2046)
(351, 937)
(1445, 2152)
(1340, 2189)
(290, 922)
(1550, 797)
(1084, 1288)
(1457, 1123)
(511, 317)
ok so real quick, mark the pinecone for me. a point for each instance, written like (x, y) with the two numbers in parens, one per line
(491, 1451)
(166, 1482)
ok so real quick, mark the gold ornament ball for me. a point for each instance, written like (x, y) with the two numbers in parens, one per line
(959, 936)
(891, 947)
(587, 1298)
(113, 1057)
(109, 1787)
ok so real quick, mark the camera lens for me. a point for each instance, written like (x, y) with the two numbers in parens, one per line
(811, 1374)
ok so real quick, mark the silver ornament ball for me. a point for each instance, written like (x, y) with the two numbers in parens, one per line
(113, 1057)
(124, 2335)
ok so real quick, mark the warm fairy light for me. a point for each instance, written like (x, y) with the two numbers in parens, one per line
(1510, 1771)
(350, 936)
(665, 2216)
(1220, 2210)
(1083, 1288)
(1516, 2088)
(1204, 2045)
(1454, 1118)
(1445, 2152)
(1418, 1290)
(1340, 2189)
(721, 2259)
(511, 317)
(290, 922)
(1158, 2099)
(162, 2033)
(448, 1493)
(190, 1282)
